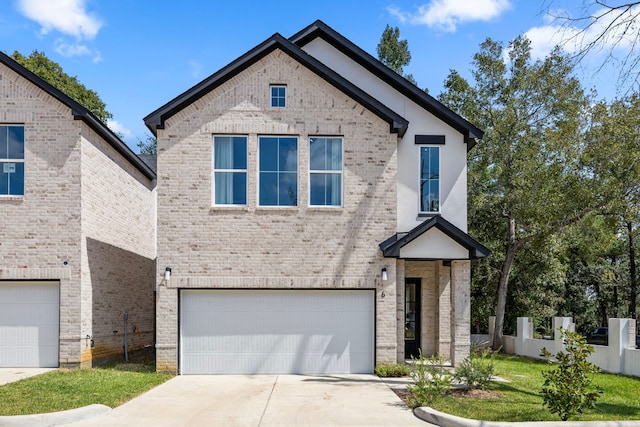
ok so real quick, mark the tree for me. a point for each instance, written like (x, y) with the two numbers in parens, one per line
(604, 26)
(148, 146)
(614, 161)
(52, 73)
(393, 52)
(526, 179)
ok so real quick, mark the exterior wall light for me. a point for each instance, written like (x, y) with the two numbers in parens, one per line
(167, 273)
(385, 276)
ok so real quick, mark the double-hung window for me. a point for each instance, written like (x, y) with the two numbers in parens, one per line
(230, 170)
(11, 160)
(325, 171)
(278, 168)
(429, 179)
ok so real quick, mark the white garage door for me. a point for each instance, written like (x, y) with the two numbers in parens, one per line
(276, 332)
(29, 324)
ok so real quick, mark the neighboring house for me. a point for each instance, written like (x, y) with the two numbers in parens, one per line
(311, 216)
(77, 245)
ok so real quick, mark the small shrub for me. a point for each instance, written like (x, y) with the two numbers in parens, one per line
(567, 389)
(389, 370)
(476, 371)
(429, 381)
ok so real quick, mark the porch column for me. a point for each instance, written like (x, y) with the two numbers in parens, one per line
(443, 343)
(460, 311)
(400, 274)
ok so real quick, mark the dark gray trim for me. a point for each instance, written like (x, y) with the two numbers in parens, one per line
(430, 139)
(81, 113)
(319, 29)
(156, 119)
(391, 247)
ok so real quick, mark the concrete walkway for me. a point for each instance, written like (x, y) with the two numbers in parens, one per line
(9, 375)
(263, 400)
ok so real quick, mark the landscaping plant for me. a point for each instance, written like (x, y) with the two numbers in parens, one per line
(429, 380)
(476, 370)
(568, 388)
(388, 370)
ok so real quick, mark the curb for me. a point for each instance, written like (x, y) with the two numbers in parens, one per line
(445, 420)
(54, 418)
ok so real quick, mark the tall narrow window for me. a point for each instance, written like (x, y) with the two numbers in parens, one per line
(278, 166)
(278, 96)
(11, 160)
(230, 170)
(325, 167)
(429, 179)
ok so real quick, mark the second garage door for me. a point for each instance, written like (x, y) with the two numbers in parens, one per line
(29, 324)
(276, 332)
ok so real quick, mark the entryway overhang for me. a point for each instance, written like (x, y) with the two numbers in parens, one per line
(435, 238)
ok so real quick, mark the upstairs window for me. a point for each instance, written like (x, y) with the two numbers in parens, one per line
(278, 96)
(11, 160)
(429, 179)
(230, 170)
(278, 166)
(325, 171)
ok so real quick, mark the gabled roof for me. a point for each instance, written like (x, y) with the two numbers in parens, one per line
(156, 119)
(319, 29)
(80, 113)
(391, 247)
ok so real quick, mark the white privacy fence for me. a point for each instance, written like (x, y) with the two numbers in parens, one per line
(619, 357)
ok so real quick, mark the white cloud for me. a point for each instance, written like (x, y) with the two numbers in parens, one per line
(573, 39)
(119, 128)
(446, 15)
(66, 16)
(69, 50)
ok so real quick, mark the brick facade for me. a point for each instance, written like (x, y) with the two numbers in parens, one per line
(269, 247)
(86, 220)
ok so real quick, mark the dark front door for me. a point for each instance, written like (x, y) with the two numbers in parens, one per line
(411, 317)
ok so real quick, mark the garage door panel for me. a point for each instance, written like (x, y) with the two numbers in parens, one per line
(240, 332)
(29, 324)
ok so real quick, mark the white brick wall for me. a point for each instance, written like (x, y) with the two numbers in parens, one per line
(96, 217)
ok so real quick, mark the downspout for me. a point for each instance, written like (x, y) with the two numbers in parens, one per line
(126, 350)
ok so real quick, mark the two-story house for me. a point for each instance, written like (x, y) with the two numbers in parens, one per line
(311, 215)
(77, 244)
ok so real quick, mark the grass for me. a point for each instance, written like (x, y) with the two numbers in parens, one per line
(520, 398)
(64, 389)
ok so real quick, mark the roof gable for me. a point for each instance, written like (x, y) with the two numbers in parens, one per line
(156, 119)
(393, 246)
(321, 30)
(80, 113)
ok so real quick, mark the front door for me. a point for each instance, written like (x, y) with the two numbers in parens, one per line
(411, 317)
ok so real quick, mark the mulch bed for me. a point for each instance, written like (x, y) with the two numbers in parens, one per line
(474, 393)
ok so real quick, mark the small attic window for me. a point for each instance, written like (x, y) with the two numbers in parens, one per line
(278, 96)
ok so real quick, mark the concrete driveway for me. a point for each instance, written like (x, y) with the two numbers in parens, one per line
(263, 400)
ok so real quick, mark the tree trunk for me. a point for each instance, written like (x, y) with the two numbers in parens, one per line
(633, 282)
(503, 287)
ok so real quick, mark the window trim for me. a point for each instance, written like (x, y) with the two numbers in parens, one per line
(327, 172)
(16, 160)
(258, 204)
(214, 170)
(420, 211)
(272, 97)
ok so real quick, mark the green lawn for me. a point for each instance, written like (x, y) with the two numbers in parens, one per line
(520, 398)
(67, 389)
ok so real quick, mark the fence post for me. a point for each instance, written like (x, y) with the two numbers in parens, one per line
(523, 333)
(564, 323)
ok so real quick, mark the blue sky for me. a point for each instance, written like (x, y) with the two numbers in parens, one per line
(139, 54)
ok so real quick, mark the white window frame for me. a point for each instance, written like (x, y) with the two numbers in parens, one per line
(214, 170)
(8, 161)
(297, 205)
(271, 97)
(420, 180)
(327, 172)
